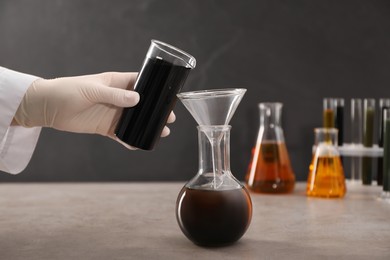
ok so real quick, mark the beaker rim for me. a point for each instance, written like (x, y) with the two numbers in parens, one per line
(211, 93)
(178, 53)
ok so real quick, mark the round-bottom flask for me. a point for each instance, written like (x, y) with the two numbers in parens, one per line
(214, 208)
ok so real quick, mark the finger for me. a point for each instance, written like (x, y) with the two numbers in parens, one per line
(115, 96)
(123, 143)
(171, 118)
(123, 80)
(165, 132)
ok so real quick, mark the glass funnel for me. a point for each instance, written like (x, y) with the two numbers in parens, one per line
(326, 175)
(212, 107)
(213, 208)
(270, 170)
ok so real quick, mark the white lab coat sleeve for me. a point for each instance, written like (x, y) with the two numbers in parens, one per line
(17, 143)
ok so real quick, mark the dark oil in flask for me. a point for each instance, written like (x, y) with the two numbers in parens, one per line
(160, 81)
(213, 217)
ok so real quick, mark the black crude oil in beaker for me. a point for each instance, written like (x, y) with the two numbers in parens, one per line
(162, 76)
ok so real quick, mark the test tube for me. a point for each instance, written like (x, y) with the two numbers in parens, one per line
(328, 113)
(368, 136)
(383, 104)
(386, 153)
(356, 136)
(339, 119)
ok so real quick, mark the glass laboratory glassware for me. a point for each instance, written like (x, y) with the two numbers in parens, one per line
(368, 136)
(386, 155)
(213, 208)
(328, 115)
(163, 73)
(339, 119)
(333, 116)
(356, 137)
(384, 103)
(326, 175)
(270, 170)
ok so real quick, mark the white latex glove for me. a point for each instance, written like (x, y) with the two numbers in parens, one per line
(84, 104)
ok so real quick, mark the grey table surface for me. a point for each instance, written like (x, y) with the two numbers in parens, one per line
(137, 221)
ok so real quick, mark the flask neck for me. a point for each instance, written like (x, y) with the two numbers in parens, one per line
(214, 149)
(326, 136)
(270, 114)
(326, 142)
(270, 122)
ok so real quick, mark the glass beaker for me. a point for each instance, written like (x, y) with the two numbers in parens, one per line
(270, 170)
(326, 175)
(213, 208)
(163, 73)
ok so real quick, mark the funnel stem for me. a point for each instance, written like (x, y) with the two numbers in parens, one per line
(214, 156)
(217, 160)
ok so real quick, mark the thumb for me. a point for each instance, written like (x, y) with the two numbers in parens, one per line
(116, 96)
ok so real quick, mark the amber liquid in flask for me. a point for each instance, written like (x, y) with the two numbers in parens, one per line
(270, 169)
(326, 175)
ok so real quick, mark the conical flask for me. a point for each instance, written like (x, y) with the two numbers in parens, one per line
(326, 175)
(213, 208)
(270, 170)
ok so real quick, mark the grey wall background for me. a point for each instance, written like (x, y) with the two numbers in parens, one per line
(296, 52)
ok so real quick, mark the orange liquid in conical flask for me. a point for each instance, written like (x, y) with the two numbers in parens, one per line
(270, 169)
(326, 178)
